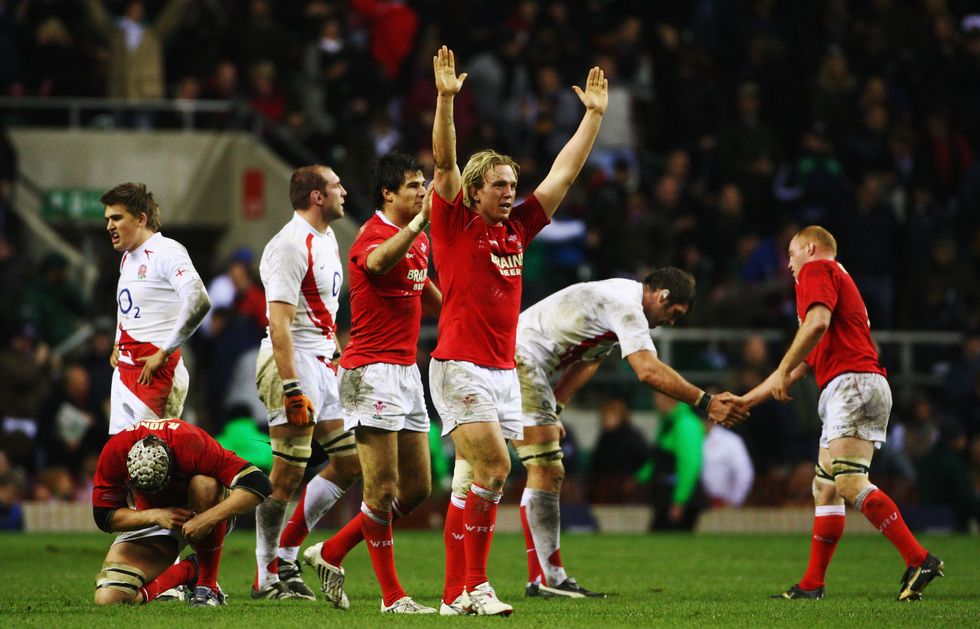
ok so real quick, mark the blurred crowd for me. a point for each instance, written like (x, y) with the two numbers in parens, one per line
(730, 126)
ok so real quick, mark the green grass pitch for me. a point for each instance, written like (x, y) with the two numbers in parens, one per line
(654, 580)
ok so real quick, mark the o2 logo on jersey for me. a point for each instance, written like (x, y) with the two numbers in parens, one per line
(125, 301)
(337, 281)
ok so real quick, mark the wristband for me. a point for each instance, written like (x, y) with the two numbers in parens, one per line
(558, 408)
(290, 387)
(418, 224)
(704, 399)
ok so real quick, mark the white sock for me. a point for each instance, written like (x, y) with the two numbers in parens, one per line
(543, 516)
(321, 495)
(269, 517)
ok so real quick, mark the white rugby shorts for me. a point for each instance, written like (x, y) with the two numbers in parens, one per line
(152, 531)
(385, 396)
(855, 405)
(538, 404)
(316, 378)
(465, 393)
(163, 398)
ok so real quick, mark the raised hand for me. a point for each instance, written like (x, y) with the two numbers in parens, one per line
(595, 97)
(444, 67)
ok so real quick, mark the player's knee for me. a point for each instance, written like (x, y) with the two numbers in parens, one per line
(114, 597)
(118, 583)
(850, 476)
(347, 467)
(824, 487)
(203, 492)
(493, 475)
(411, 495)
(380, 492)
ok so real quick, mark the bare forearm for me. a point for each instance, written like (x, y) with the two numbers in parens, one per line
(803, 343)
(238, 502)
(385, 256)
(574, 378)
(571, 158)
(126, 519)
(282, 351)
(444, 134)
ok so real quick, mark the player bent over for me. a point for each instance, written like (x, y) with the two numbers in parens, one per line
(177, 478)
(834, 342)
(296, 380)
(380, 385)
(568, 334)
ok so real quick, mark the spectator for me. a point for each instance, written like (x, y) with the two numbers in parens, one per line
(72, 424)
(618, 455)
(678, 496)
(943, 476)
(11, 513)
(136, 50)
(54, 302)
(727, 472)
(24, 382)
(393, 27)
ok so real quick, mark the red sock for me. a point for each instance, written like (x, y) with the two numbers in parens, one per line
(381, 547)
(828, 526)
(335, 549)
(534, 572)
(209, 555)
(479, 518)
(295, 530)
(455, 551)
(178, 574)
(882, 512)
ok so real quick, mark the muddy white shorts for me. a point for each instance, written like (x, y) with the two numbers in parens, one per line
(537, 397)
(316, 377)
(855, 405)
(465, 393)
(131, 402)
(385, 396)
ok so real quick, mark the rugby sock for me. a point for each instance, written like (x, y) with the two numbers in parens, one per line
(209, 555)
(534, 574)
(479, 518)
(268, 520)
(453, 537)
(381, 547)
(544, 519)
(828, 527)
(882, 512)
(318, 497)
(335, 549)
(181, 573)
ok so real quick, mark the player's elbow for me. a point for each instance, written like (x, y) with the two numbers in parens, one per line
(103, 518)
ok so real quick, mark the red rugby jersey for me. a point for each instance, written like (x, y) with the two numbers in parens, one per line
(386, 310)
(480, 269)
(194, 451)
(847, 345)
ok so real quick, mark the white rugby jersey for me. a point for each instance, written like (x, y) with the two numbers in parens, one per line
(146, 296)
(584, 321)
(301, 266)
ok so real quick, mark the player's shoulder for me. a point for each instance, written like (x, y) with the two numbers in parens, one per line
(823, 267)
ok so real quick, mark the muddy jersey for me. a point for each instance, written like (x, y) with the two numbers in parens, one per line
(480, 270)
(194, 452)
(846, 347)
(584, 322)
(147, 295)
(386, 310)
(301, 266)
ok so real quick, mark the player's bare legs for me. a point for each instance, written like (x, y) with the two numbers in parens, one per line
(288, 465)
(130, 568)
(482, 447)
(204, 492)
(850, 460)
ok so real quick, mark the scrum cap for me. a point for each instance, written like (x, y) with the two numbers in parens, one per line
(149, 463)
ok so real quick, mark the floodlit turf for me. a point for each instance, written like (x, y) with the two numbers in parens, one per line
(655, 580)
